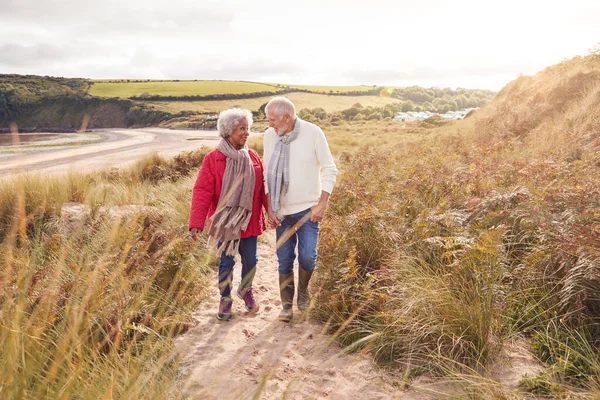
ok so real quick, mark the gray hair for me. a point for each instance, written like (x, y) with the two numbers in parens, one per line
(281, 106)
(229, 119)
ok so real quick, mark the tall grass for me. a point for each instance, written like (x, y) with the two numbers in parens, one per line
(433, 253)
(88, 310)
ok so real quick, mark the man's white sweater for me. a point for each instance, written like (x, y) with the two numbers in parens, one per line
(312, 168)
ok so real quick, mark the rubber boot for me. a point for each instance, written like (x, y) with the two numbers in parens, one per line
(303, 296)
(286, 290)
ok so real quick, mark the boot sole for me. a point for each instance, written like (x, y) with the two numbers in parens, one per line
(285, 319)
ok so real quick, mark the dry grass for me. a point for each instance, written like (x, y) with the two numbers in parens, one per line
(436, 250)
(88, 310)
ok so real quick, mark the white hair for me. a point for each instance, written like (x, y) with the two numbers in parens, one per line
(229, 119)
(281, 106)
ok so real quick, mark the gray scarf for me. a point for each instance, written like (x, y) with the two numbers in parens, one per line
(235, 201)
(278, 173)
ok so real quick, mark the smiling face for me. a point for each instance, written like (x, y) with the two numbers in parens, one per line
(239, 135)
(279, 123)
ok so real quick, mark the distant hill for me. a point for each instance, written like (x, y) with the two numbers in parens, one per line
(49, 103)
(37, 103)
(562, 100)
(198, 90)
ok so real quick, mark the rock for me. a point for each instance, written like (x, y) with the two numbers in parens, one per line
(74, 216)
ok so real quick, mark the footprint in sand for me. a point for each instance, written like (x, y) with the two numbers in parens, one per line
(249, 334)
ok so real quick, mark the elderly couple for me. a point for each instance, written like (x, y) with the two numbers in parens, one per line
(232, 189)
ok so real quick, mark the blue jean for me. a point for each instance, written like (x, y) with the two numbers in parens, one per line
(305, 234)
(249, 258)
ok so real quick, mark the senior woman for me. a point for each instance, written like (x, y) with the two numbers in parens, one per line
(229, 195)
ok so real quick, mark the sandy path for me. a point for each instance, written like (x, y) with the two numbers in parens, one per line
(257, 356)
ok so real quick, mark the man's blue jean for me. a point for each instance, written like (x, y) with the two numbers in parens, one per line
(305, 234)
(249, 258)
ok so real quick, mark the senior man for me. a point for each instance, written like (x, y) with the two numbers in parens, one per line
(299, 176)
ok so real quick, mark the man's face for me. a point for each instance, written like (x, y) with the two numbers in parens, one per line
(277, 122)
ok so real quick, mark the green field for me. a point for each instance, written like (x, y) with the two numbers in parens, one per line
(124, 89)
(176, 88)
(300, 100)
(327, 89)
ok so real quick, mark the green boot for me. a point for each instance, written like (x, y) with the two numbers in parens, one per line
(303, 296)
(286, 290)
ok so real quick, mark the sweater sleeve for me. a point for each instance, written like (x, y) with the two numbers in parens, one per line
(204, 189)
(328, 169)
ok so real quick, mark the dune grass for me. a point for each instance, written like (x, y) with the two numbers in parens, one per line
(89, 307)
(435, 252)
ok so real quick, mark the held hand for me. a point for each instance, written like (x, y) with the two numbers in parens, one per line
(195, 232)
(273, 220)
(317, 212)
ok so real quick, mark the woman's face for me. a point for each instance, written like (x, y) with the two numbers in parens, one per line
(239, 135)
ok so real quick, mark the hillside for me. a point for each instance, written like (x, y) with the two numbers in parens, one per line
(62, 104)
(438, 255)
(213, 96)
(561, 101)
(37, 103)
(20, 93)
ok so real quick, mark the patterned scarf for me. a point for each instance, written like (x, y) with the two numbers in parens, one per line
(278, 174)
(235, 201)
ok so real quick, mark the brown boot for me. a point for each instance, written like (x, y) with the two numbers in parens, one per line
(303, 296)
(286, 290)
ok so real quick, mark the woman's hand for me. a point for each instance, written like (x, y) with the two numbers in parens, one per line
(195, 232)
(273, 220)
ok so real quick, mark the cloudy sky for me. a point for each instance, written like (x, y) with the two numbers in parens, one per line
(468, 43)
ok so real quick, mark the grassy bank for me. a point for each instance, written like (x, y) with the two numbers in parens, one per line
(436, 253)
(89, 305)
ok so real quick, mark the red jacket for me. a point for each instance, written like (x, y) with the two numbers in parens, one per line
(208, 189)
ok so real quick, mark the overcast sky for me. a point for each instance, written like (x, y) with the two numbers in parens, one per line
(468, 43)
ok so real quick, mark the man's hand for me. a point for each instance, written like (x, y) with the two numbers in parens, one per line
(195, 232)
(317, 212)
(274, 222)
